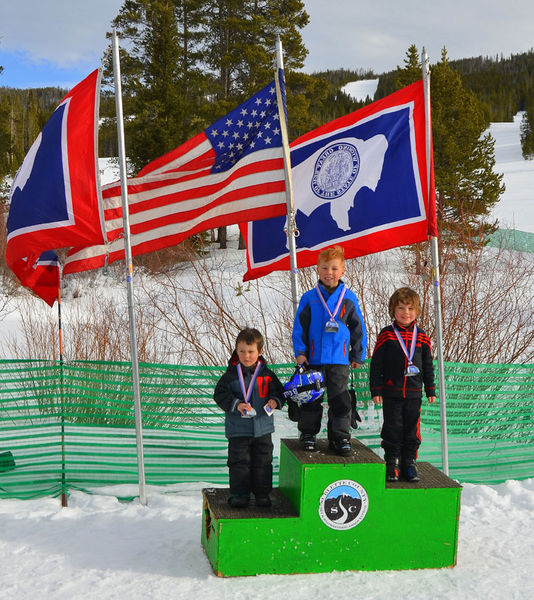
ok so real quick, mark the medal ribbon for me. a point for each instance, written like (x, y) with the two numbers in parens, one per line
(336, 309)
(247, 391)
(403, 345)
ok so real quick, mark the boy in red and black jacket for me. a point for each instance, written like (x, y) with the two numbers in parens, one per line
(400, 366)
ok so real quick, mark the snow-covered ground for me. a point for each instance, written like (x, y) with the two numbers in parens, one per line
(99, 548)
(360, 90)
(516, 209)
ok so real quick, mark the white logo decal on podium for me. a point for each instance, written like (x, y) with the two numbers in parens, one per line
(343, 504)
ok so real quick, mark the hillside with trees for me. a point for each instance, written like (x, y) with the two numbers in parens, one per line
(181, 100)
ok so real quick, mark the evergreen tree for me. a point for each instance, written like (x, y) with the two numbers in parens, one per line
(240, 41)
(464, 157)
(527, 131)
(412, 70)
(164, 87)
(5, 139)
(466, 186)
(239, 51)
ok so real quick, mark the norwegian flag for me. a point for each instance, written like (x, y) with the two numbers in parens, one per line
(359, 181)
(54, 199)
(230, 173)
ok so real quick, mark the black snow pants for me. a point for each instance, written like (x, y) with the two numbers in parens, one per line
(250, 464)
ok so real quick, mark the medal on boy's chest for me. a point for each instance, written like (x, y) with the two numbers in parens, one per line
(411, 369)
(331, 325)
(247, 392)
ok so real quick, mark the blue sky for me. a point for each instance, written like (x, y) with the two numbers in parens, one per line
(56, 43)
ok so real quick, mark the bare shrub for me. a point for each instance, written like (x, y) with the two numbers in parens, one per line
(95, 327)
(487, 302)
(191, 314)
(203, 304)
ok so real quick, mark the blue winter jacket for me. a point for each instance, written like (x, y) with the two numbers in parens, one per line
(228, 395)
(348, 344)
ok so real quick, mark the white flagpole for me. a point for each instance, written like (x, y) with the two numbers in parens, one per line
(129, 264)
(436, 277)
(291, 224)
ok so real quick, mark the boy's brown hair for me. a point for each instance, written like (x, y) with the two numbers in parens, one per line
(332, 253)
(250, 336)
(404, 295)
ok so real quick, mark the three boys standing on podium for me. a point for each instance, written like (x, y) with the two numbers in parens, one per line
(329, 336)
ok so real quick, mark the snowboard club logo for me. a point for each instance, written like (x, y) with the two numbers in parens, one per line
(335, 170)
(343, 504)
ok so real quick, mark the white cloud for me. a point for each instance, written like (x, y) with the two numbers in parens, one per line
(341, 33)
(63, 33)
(349, 34)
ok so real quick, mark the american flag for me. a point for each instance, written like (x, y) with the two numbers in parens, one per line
(232, 172)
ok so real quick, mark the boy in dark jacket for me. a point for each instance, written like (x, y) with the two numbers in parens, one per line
(401, 364)
(248, 392)
(329, 336)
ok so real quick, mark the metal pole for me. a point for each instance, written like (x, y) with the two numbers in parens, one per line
(291, 224)
(436, 278)
(129, 274)
(60, 338)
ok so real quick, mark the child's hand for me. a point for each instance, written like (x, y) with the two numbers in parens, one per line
(272, 404)
(242, 407)
(355, 365)
(301, 359)
(432, 399)
(377, 399)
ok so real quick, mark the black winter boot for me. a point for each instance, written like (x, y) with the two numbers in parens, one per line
(409, 470)
(307, 441)
(238, 501)
(392, 468)
(341, 447)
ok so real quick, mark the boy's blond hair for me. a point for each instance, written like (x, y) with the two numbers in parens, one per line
(250, 336)
(332, 253)
(404, 295)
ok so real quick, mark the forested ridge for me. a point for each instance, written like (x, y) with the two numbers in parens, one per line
(503, 85)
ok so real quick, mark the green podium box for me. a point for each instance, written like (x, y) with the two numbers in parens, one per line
(333, 513)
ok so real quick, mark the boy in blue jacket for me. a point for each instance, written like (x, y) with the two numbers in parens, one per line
(248, 392)
(329, 335)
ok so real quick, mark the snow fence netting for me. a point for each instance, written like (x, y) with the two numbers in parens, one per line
(72, 425)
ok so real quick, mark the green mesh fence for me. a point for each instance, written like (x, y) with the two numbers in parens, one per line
(490, 422)
(512, 239)
(72, 426)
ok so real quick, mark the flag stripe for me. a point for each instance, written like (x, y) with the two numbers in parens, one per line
(231, 172)
(163, 236)
(143, 209)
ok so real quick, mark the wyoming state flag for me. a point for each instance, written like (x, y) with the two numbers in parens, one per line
(360, 181)
(55, 199)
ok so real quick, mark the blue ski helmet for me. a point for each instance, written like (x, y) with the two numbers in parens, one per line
(305, 386)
